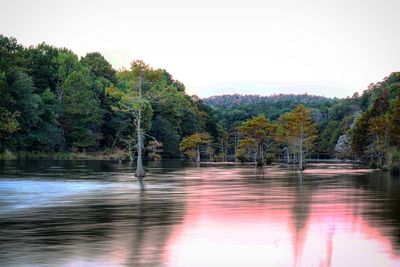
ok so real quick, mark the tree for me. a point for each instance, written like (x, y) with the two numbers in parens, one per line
(258, 131)
(246, 150)
(191, 144)
(8, 125)
(81, 114)
(300, 131)
(163, 131)
(99, 66)
(154, 148)
(17, 95)
(139, 166)
(42, 66)
(378, 131)
(66, 63)
(394, 122)
(46, 135)
(10, 52)
(132, 102)
(343, 146)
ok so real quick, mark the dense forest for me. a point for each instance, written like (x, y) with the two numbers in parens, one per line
(54, 103)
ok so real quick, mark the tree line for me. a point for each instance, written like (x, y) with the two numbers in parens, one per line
(262, 140)
(363, 128)
(53, 101)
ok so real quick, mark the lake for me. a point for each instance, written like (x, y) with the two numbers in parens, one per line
(95, 213)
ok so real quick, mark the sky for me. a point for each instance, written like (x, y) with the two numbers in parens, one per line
(324, 47)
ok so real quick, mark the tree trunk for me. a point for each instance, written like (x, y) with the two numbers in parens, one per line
(116, 138)
(235, 145)
(130, 151)
(139, 166)
(198, 155)
(222, 149)
(301, 166)
(260, 158)
(288, 155)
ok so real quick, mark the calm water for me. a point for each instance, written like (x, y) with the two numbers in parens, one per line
(97, 214)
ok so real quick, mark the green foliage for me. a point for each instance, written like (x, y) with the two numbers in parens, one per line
(9, 53)
(81, 110)
(163, 131)
(99, 66)
(42, 66)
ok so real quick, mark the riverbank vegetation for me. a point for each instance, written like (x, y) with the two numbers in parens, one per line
(54, 103)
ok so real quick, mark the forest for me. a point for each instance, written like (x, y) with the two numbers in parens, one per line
(55, 104)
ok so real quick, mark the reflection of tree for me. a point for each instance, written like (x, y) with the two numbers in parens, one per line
(301, 211)
(387, 190)
(329, 247)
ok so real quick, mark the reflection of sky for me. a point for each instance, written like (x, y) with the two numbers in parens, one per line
(310, 230)
(20, 194)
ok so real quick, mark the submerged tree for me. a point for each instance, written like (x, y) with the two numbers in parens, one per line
(191, 144)
(258, 132)
(299, 131)
(139, 132)
(132, 102)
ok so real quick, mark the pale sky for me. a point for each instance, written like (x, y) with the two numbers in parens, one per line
(331, 47)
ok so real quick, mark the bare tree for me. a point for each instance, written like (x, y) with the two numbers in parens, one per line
(139, 162)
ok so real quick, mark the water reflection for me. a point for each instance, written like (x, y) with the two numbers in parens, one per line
(294, 221)
(98, 214)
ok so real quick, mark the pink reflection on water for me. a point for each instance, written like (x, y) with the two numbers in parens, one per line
(325, 233)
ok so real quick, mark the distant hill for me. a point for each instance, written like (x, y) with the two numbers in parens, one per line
(287, 100)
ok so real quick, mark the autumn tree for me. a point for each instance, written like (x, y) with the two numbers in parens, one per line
(394, 122)
(155, 149)
(191, 144)
(258, 132)
(299, 131)
(378, 131)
